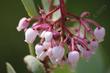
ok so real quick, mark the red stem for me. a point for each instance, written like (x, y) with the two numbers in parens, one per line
(62, 6)
(73, 15)
(73, 44)
(62, 10)
(66, 30)
(92, 21)
(83, 43)
(51, 12)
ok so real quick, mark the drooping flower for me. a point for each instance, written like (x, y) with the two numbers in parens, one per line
(87, 54)
(39, 49)
(51, 57)
(42, 35)
(57, 53)
(42, 56)
(94, 45)
(46, 44)
(73, 58)
(30, 35)
(23, 23)
(99, 33)
(48, 36)
(40, 52)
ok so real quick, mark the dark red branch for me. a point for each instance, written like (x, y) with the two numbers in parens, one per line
(62, 10)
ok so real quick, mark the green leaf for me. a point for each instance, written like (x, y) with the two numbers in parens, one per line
(63, 69)
(46, 5)
(57, 14)
(56, 2)
(9, 68)
(30, 7)
(33, 64)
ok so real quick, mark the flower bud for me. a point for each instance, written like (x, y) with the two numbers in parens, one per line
(34, 65)
(99, 34)
(56, 34)
(30, 35)
(23, 23)
(41, 27)
(48, 36)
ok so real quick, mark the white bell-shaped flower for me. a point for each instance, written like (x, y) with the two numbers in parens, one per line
(58, 52)
(23, 23)
(46, 44)
(42, 56)
(73, 58)
(42, 35)
(84, 53)
(48, 36)
(87, 54)
(49, 53)
(99, 33)
(39, 50)
(30, 35)
(94, 45)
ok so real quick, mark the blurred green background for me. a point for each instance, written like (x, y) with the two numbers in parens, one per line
(13, 48)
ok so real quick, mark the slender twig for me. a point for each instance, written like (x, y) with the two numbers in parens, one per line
(31, 49)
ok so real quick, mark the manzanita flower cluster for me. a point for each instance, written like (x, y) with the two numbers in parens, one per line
(61, 44)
